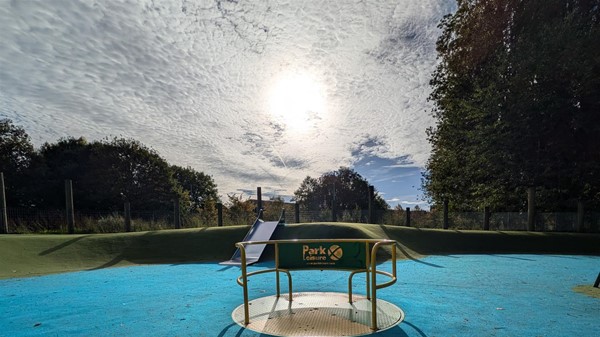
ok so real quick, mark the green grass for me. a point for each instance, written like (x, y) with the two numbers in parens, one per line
(30, 255)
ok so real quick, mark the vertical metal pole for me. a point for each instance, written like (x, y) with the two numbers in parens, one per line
(219, 214)
(407, 216)
(245, 286)
(69, 206)
(446, 222)
(394, 259)
(259, 205)
(374, 288)
(486, 218)
(127, 207)
(3, 215)
(277, 266)
(368, 263)
(531, 209)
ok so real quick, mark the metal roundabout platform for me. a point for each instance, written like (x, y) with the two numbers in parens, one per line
(317, 314)
(320, 313)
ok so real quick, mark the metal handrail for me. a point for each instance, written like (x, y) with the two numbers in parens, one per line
(370, 270)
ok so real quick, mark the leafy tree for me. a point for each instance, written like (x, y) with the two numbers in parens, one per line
(200, 187)
(16, 150)
(272, 208)
(140, 174)
(105, 174)
(516, 99)
(16, 155)
(343, 189)
(53, 164)
(240, 211)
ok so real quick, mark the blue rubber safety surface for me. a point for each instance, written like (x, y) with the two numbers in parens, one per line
(457, 295)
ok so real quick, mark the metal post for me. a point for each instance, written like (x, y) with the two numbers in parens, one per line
(297, 212)
(486, 218)
(446, 222)
(219, 214)
(368, 270)
(69, 206)
(127, 207)
(407, 216)
(531, 209)
(259, 204)
(3, 216)
(277, 269)
(245, 285)
(373, 291)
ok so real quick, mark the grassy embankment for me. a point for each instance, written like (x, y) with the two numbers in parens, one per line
(30, 255)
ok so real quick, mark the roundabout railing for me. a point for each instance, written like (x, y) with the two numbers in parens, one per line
(355, 255)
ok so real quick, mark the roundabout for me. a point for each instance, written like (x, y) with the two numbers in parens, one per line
(317, 314)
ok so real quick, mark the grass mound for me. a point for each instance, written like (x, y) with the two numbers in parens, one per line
(30, 255)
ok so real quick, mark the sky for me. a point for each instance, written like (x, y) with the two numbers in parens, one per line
(253, 93)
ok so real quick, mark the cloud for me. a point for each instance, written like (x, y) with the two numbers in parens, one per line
(191, 80)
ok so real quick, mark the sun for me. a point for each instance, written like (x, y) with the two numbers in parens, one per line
(297, 100)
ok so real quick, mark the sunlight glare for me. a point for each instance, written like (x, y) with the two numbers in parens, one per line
(298, 101)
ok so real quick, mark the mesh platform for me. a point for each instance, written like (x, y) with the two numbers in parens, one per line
(317, 314)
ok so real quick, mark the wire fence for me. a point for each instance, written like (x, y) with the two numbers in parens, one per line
(55, 221)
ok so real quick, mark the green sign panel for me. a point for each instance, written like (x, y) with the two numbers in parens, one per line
(322, 255)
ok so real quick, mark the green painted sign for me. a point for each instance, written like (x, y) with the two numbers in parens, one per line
(322, 255)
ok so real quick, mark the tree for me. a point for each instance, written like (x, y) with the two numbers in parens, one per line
(68, 158)
(343, 189)
(105, 174)
(16, 150)
(199, 186)
(139, 174)
(516, 99)
(16, 155)
(240, 211)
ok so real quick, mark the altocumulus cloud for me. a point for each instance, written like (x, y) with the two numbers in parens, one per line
(194, 80)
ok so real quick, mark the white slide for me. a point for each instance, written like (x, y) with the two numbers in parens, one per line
(260, 231)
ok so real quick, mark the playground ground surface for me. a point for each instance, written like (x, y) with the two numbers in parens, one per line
(445, 295)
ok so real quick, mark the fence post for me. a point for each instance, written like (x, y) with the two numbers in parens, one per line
(531, 209)
(580, 214)
(259, 204)
(407, 216)
(176, 214)
(446, 222)
(371, 194)
(220, 214)
(127, 207)
(297, 212)
(486, 218)
(3, 216)
(70, 208)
